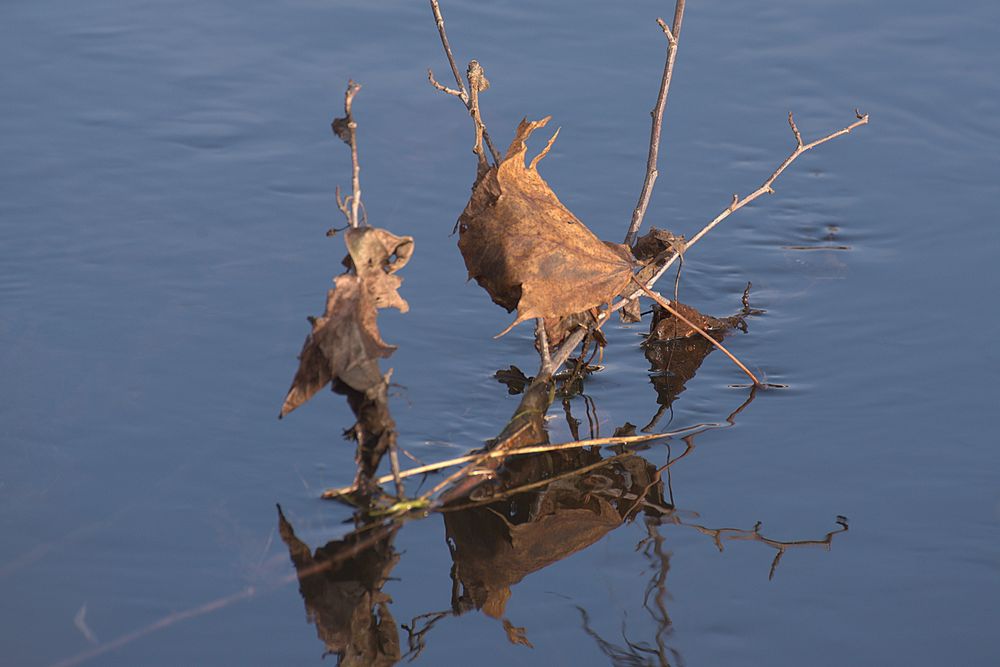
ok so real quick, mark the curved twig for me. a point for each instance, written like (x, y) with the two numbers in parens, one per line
(657, 113)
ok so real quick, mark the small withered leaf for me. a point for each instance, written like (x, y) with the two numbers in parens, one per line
(344, 344)
(665, 326)
(655, 241)
(527, 250)
(341, 129)
(376, 255)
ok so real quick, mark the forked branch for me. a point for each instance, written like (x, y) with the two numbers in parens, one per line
(469, 96)
(560, 355)
(766, 188)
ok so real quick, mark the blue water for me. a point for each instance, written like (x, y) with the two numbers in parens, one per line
(166, 182)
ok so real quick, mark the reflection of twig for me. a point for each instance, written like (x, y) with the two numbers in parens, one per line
(657, 113)
(719, 535)
(416, 639)
(658, 584)
(632, 656)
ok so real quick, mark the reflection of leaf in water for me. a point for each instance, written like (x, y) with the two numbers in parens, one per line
(341, 585)
(496, 545)
(528, 250)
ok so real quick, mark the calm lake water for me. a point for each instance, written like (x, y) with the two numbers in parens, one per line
(166, 182)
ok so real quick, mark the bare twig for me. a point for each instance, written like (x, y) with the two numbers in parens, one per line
(497, 453)
(444, 89)
(352, 127)
(673, 311)
(560, 356)
(657, 114)
(737, 203)
(469, 96)
(477, 84)
(347, 130)
(439, 20)
(342, 204)
(543, 342)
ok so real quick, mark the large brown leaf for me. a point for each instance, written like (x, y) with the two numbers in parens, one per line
(344, 343)
(528, 250)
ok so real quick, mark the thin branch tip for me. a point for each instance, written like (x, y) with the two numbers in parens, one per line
(445, 89)
(673, 34)
(666, 31)
(795, 129)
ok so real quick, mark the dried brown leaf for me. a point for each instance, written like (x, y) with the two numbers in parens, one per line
(344, 344)
(525, 248)
(666, 327)
(655, 241)
(376, 256)
(341, 129)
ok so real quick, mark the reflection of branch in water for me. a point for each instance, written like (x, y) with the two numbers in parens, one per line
(416, 639)
(719, 535)
(632, 654)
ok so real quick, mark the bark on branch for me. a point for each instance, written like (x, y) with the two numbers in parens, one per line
(652, 170)
(469, 96)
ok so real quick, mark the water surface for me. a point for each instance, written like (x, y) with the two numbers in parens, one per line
(167, 179)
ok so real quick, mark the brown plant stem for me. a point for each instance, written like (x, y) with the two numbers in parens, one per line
(543, 342)
(766, 188)
(560, 355)
(663, 303)
(352, 128)
(497, 453)
(468, 96)
(439, 20)
(657, 125)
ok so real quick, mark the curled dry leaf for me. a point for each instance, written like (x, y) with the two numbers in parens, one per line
(376, 256)
(525, 248)
(345, 342)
